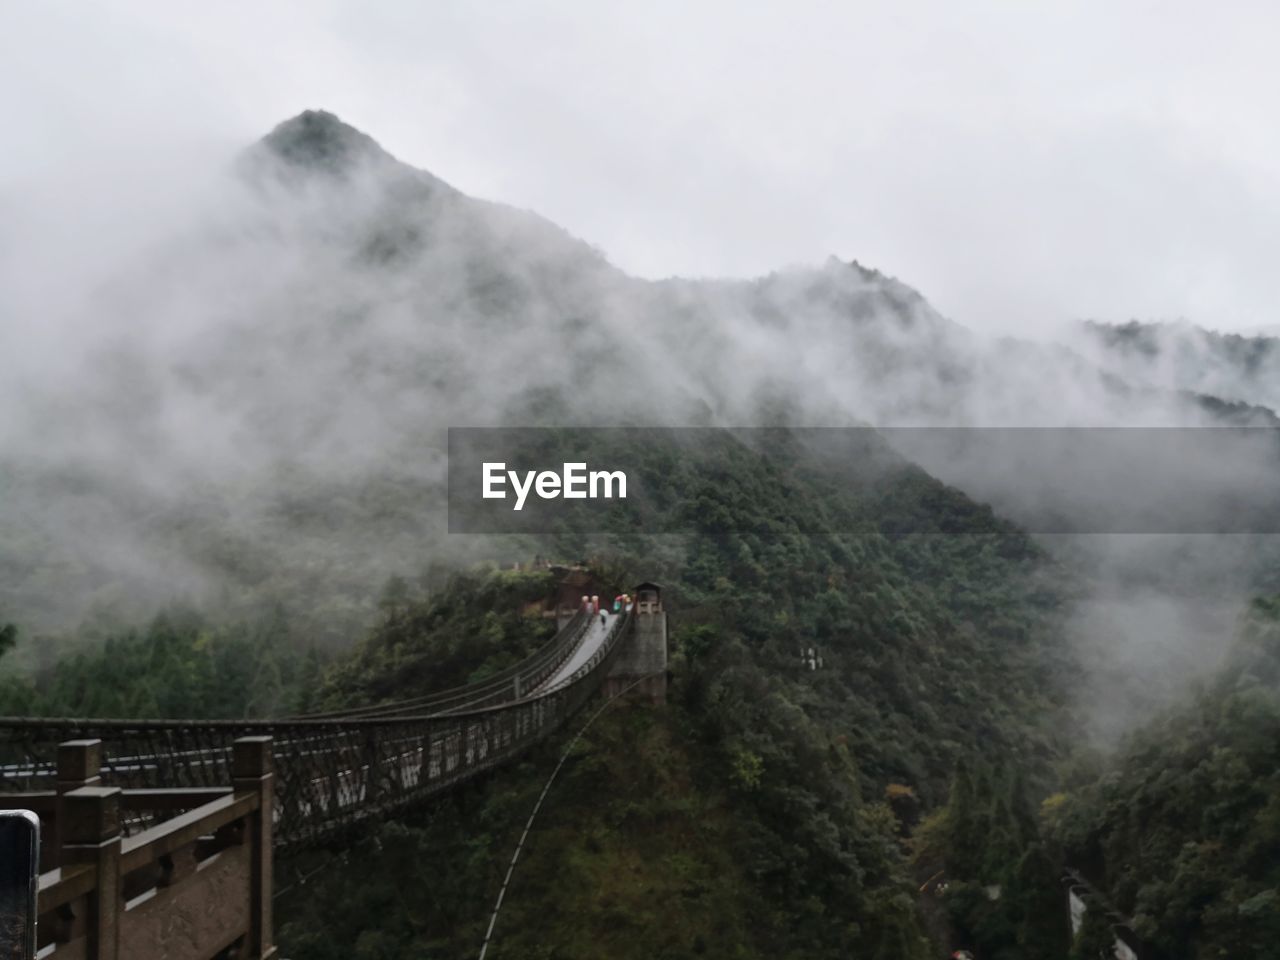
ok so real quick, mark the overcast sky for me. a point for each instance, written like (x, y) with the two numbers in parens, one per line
(1020, 163)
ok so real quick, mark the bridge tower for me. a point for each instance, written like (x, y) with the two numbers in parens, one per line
(644, 652)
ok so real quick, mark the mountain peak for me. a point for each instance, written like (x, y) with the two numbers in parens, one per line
(318, 140)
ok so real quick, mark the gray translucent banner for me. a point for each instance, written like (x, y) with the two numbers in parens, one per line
(848, 480)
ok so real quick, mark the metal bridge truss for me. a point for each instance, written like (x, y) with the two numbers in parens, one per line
(338, 770)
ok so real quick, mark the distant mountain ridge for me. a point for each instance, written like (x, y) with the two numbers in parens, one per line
(1233, 367)
(265, 394)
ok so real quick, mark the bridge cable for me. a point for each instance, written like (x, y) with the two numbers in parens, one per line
(493, 918)
(300, 878)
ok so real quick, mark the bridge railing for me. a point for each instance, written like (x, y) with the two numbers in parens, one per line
(374, 767)
(330, 774)
(509, 684)
(194, 885)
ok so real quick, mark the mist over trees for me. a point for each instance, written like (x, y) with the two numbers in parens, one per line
(247, 402)
(222, 458)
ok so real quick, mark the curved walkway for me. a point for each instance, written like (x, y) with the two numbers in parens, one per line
(591, 641)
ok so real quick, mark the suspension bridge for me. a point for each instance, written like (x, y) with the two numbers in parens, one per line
(158, 836)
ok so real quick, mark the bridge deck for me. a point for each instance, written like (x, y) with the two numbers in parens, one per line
(592, 640)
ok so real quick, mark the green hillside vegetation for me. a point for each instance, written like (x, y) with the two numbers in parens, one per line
(180, 665)
(1183, 828)
(653, 843)
(479, 626)
(184, 665)
(747, 818)
(1001, 875)
(755, 802)
(726, 824)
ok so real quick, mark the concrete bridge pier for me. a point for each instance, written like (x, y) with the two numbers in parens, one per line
(644, 652)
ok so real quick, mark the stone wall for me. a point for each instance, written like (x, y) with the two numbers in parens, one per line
(643, 652)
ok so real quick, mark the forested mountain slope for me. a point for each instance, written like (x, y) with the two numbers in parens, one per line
(763, 811)
(1183, 826)
(252, 435)
(249, 411)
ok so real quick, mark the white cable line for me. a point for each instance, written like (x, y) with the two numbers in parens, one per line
(493, 919)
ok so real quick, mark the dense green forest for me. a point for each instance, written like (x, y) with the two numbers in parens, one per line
(767, 810)
(919, 790)
(1183, 826)
(479, 625)
(747, 818)
(180, 665)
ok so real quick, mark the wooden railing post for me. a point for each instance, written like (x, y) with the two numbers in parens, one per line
(79, 765)
(252, 771)
(91, 834)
